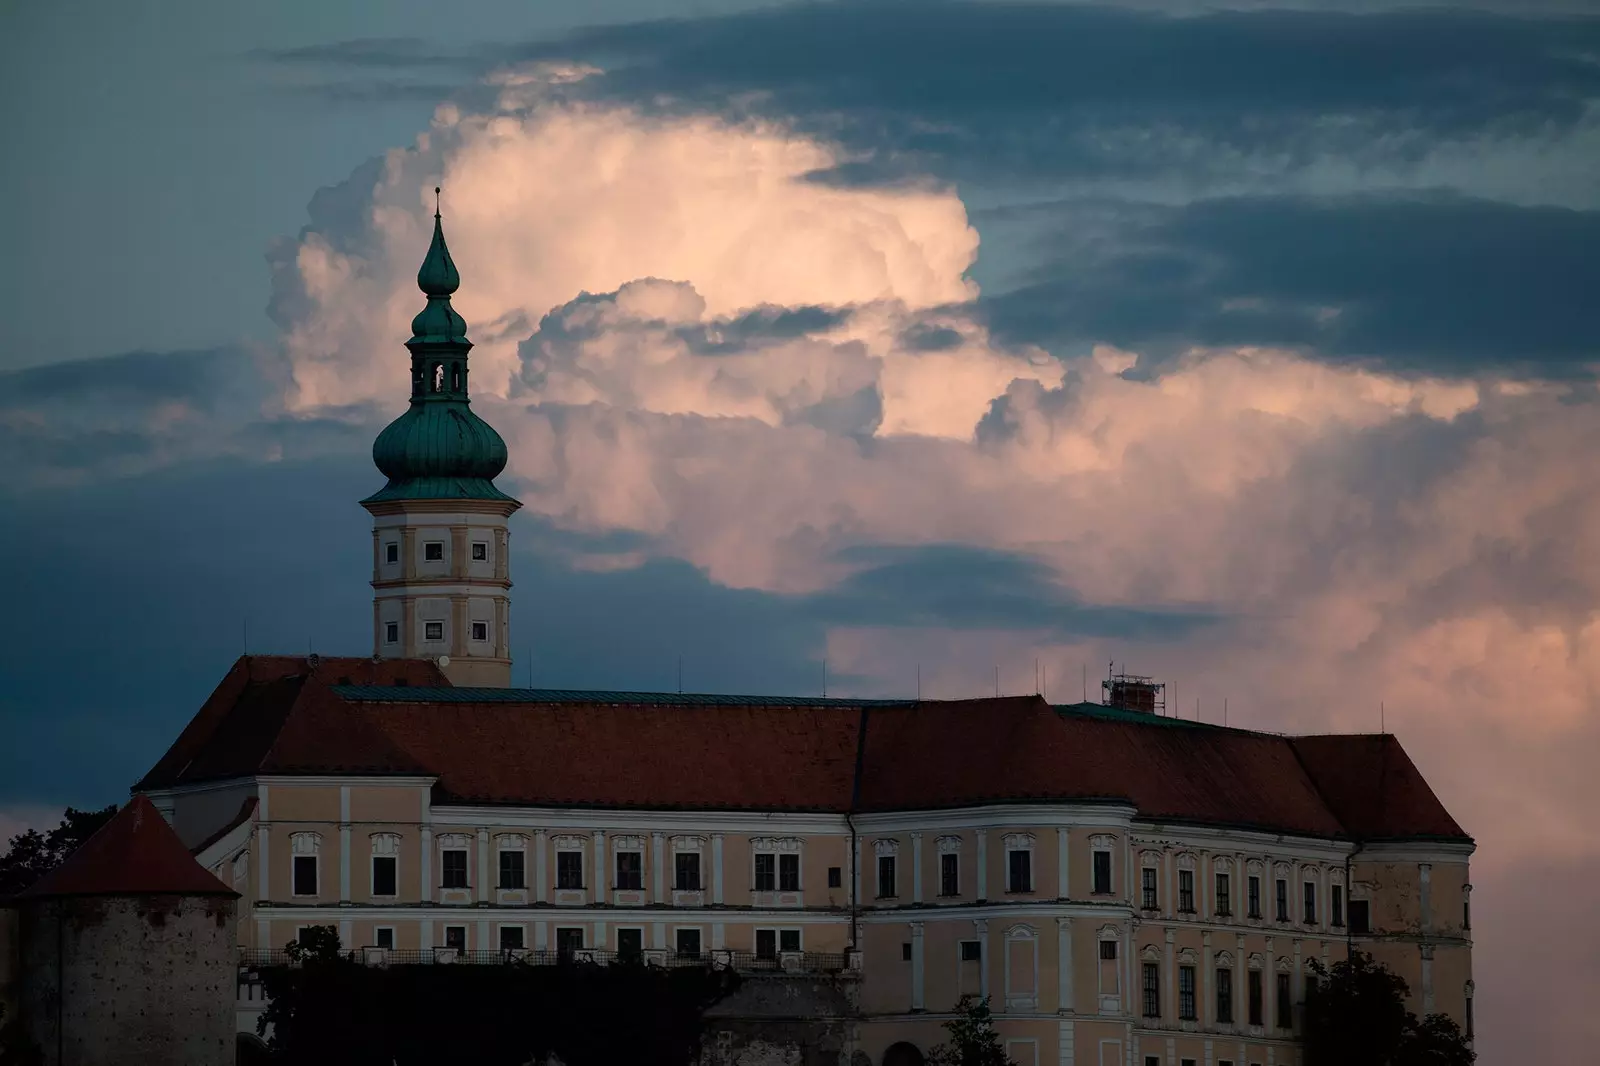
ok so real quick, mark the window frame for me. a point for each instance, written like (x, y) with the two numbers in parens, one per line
(679, 867)
(444, 868)
(949, 874)
(1223, 898)
(1187, 1005)
(502, 928)
(1280, 899)
(1150, 985)
(474, 628)
(1100, 862)
(316, 876)
(391, 632)
(391, 552)
(377, 937)
(566, 949)
(394, 874)
(778, 932)
(626, 953)
(561, 873)
(1256, 997)
(786, 882)
(699, 942)
(501, 854)
(637, 871)
(1309, 899)
(480, 551)
(1224, 997)
(428, 551)
(888, 886)
(1186, 892)
(1012, 855)
(1149, 888)
(1336, 906)
(431, 627)
(464, 938)
(974, 948)
(1283, 1002)
(1253, 897)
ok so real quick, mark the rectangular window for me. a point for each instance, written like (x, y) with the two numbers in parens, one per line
(1285, 1003)
(383, 875)
(433, 631)
(453, 867)
(886, 877)
(905, 951)
(1019, 868)
(1311, 903)
(788, 940)
(835, 877)
(1466, 910)
(1283, 900)
(630, 870)
(630, 943)
(569, 869)
(688, 943)
(1360, 917)
(480, 631)
(950, 875)
(433, 551)
(511, 938)
(1336, 905)
(766, 871)
(1469, 1018)
(384, 935)
(1225, 996)
(788, 873)
(1186, 891)
(972, 951)
(1108, 950)
(391, 632)
(391, 552)
(1256, 992)
(1102, 873)
(1148, 898)
(480, 552)
(1152, 990)
(1152, 1060)
(455, 936)
(766, 943)
(513, 870)
(1186, 993)
(305, 875)
(1254, 901)
(569, 939)
(686, 871)
(1224, 896)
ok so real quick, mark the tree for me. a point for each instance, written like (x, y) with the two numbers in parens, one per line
(1356, 1016)
(973, 1040)
(326, 1007)
(33, 854)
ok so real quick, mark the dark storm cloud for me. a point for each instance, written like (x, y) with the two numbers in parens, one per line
(1432, 282)
(959, 587)
(1043, 90)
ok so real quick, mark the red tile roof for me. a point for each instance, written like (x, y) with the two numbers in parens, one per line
(641, 751)
(136, 853)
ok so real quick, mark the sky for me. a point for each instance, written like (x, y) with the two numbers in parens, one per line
(879, 344)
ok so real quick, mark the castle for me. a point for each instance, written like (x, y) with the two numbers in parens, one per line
(1128, 889)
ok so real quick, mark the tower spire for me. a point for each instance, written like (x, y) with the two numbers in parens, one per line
(442, 578)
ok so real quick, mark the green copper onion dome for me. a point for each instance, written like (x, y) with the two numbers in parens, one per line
(439, 449)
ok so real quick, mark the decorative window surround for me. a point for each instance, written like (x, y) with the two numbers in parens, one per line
(385, 851)
(570, 843)
(1020, 874)
(305, 864)
(785, 855)
(1022, 938)
(688, 845)
(628, 844)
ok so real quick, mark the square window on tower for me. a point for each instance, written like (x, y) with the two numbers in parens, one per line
(433, 631)
(391, 552)
(391, 632)
(480, 552)
(433, 551)
(480, 631)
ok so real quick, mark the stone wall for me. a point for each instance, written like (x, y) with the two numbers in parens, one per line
(785, 1020)
(131, 981)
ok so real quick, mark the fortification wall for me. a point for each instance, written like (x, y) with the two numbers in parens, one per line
(131, 981)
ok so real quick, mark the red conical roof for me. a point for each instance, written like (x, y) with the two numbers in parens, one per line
(134, 854)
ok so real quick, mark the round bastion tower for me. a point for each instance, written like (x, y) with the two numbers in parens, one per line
(441, 574)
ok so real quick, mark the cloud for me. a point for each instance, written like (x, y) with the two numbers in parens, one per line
(1431, 282)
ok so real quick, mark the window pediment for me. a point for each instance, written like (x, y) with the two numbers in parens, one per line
(786, 844)
(1103, 842)
(688, 843)
(385, 843)
(569, 842)
(511, 842)
(948, 845)
(628, 843)
(1018, 841)
(305, 843)
(1186, 860)
(454, 841)
(885, 846)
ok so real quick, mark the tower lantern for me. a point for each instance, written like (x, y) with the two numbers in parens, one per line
(441, 575)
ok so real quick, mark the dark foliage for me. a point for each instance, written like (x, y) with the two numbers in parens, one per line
(328, 1008)
(33, 854)
(973, 1040)
(1357, 1017)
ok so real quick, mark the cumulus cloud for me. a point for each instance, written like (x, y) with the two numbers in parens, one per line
(693, 348)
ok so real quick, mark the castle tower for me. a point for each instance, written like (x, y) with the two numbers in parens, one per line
(441, 574)
(129, 953)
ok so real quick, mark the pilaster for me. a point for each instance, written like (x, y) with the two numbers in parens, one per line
(916, 967)
(916, 870)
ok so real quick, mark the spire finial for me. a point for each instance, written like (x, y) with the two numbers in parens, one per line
(438, 275)
(436, 201)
